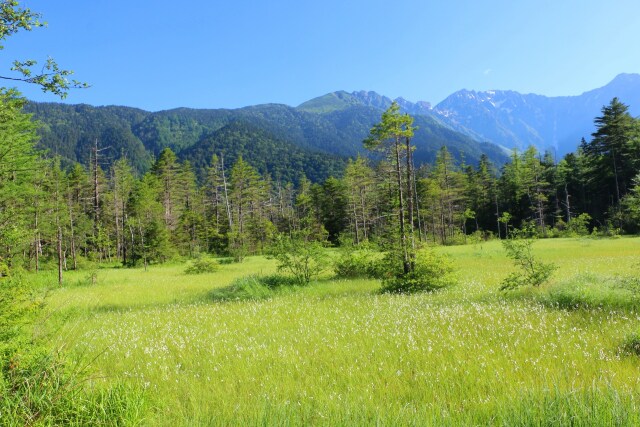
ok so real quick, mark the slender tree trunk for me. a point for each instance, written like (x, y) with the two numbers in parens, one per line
(73, 237)
(615, 173)
(355, 220)
(415, 192)
(96, 193)
(405, 253)
(226, 194)
(123, 233)
(36, 244)
(117, 218)
(567, 203)
(410, 202)
(59, 244)
(498, 216)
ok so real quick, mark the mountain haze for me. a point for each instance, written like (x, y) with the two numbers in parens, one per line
(514, 120)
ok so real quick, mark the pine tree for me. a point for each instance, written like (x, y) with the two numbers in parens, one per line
(613, 153)
(18, 163)
(392, 136)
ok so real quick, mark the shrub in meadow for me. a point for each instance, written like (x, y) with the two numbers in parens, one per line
(431, 272)
(202, 265)
(531, 271)
(358, 261)
(302, 258)
(243, 288)
(631, 344)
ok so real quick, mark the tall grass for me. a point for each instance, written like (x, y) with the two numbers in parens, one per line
(339, 353)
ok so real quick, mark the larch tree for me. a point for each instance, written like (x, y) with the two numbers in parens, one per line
(392, 136)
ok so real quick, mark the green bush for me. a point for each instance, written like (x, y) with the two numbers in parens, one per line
(531, 271)
(579, 226)
(631, 344)
(202, 265)
(274, 281)
(431, 272)
(243, 288)
(358, 262)
(253, 287)
(589, 291)
(302, 258)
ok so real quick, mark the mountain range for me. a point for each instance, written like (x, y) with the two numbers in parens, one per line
(506, 118)
(278, 139)
(318, 136)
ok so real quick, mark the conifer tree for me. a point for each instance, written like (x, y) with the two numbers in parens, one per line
(392, 137)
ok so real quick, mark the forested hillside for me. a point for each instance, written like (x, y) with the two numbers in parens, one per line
(316, 144)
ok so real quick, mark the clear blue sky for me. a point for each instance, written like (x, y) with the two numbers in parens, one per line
(209, 54)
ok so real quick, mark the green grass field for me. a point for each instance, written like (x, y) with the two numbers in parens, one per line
(338, 353)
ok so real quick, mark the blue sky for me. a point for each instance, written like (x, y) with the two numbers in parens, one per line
(211, 54)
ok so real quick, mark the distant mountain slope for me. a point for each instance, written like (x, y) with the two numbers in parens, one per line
(514, 120)
(271, 134)
(506, 118)
(71, 131)
(282, 160)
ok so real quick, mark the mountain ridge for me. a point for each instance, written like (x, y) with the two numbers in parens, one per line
(291, 141)
(507, 118)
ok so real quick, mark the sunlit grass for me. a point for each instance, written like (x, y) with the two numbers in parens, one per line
(337, 352)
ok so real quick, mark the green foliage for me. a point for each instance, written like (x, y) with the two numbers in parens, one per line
(18, 164)
(50, 77)
(629, 215)
(631, 344)
(358, 261)
(579, 226)
(244, 288)
(531, 272)
(253, 287)
(592, 291)
(41, 387)
(431, 272)
(202, 265)
(301, 258)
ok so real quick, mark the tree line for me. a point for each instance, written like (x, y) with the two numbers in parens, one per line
(55, 216)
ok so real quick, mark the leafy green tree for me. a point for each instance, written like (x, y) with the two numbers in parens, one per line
(247, 195)
(570, 185)
(613, 154)
(217, 213)
(18, 164)
(531, 271)
(302, 258)
(359, 179)
(307, 215)
(630, 213)
(148, 235)
(331, 205)
(392, 136)
(481, 194)
(166, 169)
(50, 77)
(189, 234)
(78, 195)
(122, 183)
(444, 198)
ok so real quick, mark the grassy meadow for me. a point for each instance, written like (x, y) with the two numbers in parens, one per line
(339, 353)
